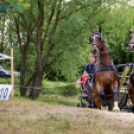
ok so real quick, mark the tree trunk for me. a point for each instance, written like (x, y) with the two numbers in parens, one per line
(22, 76)
(3, 36)
(23, 49)
(37, 79)
(37, 82)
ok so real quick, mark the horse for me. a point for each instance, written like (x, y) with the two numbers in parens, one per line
(130, 82)
(105, 89)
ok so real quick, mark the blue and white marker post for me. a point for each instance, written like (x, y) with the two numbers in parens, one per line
(5, 90)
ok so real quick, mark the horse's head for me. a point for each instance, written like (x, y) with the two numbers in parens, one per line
(97, 41)
(131, 41)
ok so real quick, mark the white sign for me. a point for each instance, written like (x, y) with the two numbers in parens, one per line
(5, 91)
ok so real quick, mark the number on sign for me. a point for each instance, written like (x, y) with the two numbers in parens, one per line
(5, 93)
(1, 92)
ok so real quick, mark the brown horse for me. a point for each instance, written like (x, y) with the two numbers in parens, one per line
(105, 90)
(130, 82)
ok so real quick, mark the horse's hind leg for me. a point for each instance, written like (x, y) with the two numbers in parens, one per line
(131, 90)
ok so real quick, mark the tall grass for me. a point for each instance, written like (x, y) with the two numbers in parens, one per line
(60, 88)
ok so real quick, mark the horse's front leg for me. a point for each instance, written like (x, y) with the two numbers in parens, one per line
(116, 92)
(99, 88)
(130, 89)
(97, 100)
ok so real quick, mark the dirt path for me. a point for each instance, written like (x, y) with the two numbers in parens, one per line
(92, 113)
(72, 120)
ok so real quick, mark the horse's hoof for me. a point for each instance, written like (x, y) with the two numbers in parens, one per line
(104, 108)
(116, 109)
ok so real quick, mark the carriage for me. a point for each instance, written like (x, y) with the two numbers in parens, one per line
(125, 103)
(110, 88)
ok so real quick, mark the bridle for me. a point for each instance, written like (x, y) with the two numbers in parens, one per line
(99, 47)
(102, 41)
(131, 42)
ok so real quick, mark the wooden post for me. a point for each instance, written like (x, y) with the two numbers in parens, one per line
(12, 76)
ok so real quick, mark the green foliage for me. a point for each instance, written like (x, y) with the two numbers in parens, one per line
(67, 34)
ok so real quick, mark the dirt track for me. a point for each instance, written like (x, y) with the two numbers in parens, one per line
(101, 121)
(91, 113)
(78, 120)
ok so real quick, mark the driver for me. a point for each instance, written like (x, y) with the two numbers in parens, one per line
(89, 68)
(89, 72)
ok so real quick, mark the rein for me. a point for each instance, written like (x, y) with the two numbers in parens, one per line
(105, 63)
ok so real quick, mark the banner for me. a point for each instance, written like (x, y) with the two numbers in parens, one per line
(5, 91)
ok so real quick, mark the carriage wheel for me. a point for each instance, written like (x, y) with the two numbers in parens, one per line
(83, 105)
(86, 105)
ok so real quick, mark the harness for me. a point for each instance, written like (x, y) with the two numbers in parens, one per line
(131, 81)
(133, 41)
(107, 67)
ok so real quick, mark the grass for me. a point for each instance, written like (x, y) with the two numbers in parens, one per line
(8, 81)
(58, 100)
(51, 84)
(22, 115)
(60, 88)
(54, 114)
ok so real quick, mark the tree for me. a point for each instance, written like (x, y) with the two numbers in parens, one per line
(54, 23)
(51, 34)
